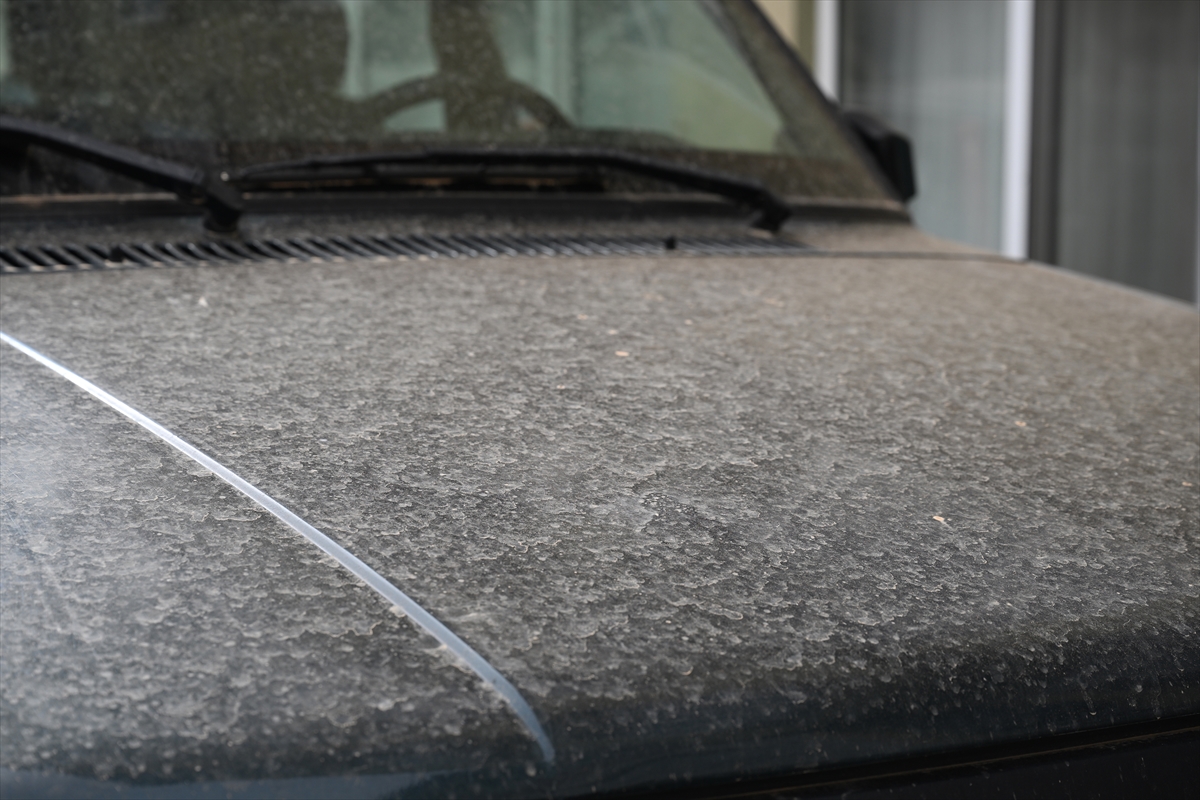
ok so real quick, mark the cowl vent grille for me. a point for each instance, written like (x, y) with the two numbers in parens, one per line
(55, 258)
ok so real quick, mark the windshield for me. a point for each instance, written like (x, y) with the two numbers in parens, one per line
(231, 84)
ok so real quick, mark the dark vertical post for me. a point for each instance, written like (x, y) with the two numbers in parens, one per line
(1046, 136)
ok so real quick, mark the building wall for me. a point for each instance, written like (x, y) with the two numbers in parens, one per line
(1107, 121)
(794, 19)
(1129, 77)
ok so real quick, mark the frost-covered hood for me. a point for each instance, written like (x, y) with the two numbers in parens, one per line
(711, 517)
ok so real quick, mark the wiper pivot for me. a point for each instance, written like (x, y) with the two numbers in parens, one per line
(191, 184)
(772, 209)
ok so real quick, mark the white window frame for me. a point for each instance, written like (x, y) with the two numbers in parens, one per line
(826, 46)
(1018, 128)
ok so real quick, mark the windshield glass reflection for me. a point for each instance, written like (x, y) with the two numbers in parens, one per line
(241, 82)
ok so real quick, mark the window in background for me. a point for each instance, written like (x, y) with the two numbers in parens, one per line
(1068, 132)
(935, 70)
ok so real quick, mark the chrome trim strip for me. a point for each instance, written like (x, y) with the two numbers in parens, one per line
(426, 621)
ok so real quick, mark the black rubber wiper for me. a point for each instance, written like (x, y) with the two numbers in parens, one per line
(772, 210)
(191, 184)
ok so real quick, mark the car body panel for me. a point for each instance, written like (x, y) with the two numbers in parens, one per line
(154, 618)
(711, 516)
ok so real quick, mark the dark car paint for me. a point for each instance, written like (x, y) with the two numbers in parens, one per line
(714, 517)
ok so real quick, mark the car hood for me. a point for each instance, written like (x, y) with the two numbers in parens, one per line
(712, 517)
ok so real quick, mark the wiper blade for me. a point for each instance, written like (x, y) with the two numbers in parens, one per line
(772, 209)
(191, 184)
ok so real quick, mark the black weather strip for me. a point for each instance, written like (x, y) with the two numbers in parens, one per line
(426, 621)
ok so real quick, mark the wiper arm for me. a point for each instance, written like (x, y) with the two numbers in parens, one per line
(772, 210)
(191, 184)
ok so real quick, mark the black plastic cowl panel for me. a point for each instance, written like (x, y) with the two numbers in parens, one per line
(48, 257)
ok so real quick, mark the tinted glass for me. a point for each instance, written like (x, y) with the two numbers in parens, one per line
(234, 83)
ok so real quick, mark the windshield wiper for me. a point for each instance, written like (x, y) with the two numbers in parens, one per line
(772, 210)
(191, 184)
